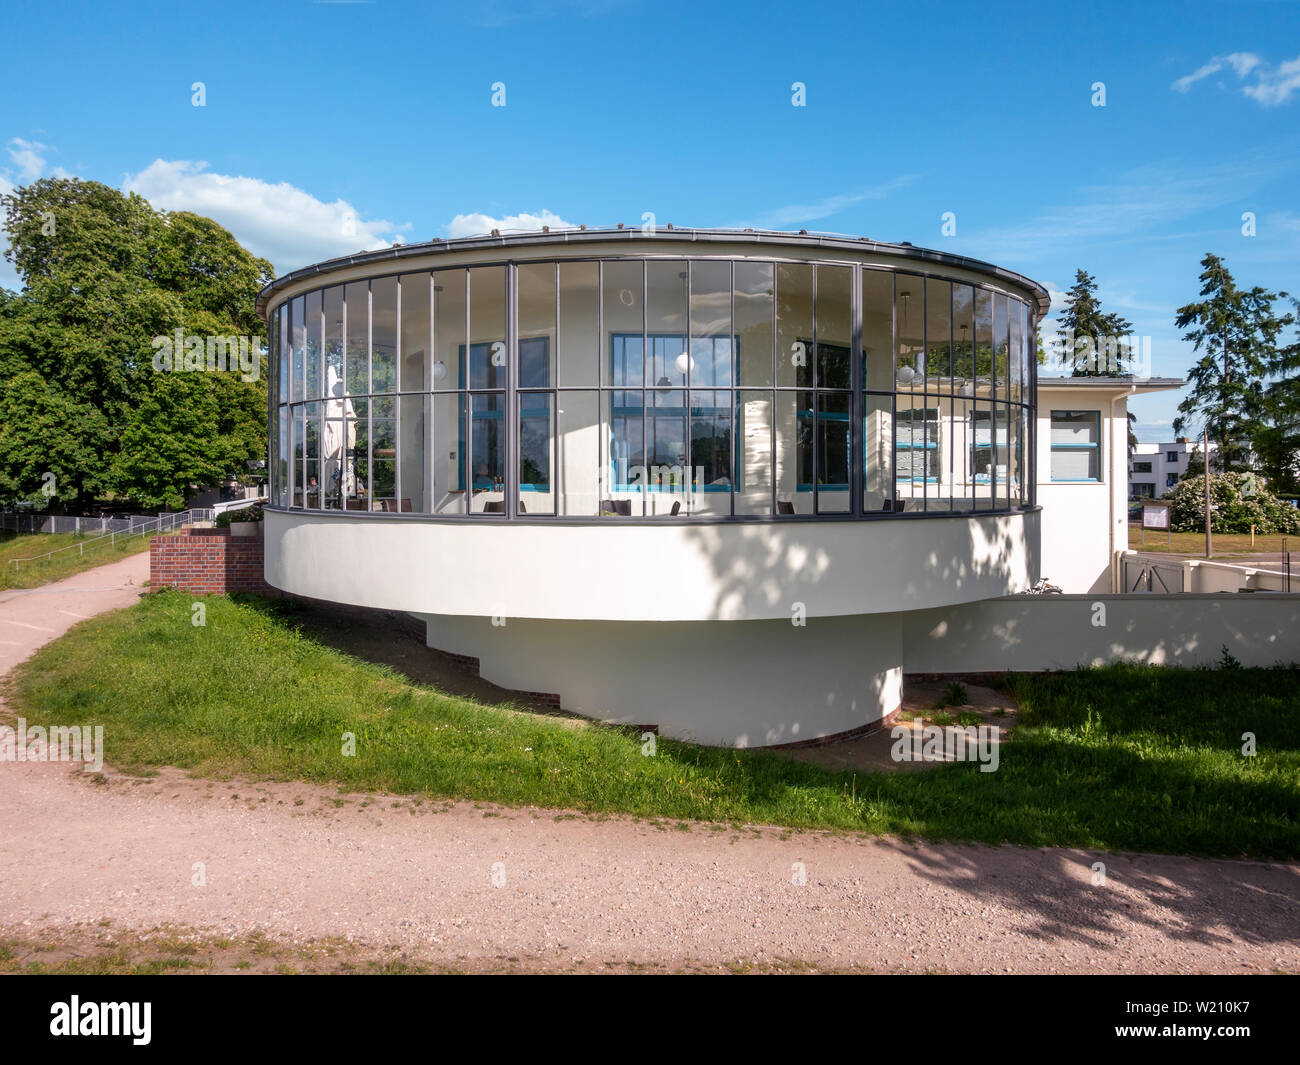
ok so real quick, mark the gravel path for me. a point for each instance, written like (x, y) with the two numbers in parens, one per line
(474, 886)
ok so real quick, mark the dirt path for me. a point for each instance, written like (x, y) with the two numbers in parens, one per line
(302, 862)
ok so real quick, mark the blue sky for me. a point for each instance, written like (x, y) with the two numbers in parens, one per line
(329, 127)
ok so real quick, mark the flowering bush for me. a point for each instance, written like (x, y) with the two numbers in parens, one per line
(1238, 501)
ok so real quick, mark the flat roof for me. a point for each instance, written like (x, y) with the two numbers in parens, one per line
(1120, 384)
(666, 234)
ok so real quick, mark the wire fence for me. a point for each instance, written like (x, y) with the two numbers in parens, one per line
(111, 530)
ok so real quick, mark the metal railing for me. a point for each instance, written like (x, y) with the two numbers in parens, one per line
(162, 523)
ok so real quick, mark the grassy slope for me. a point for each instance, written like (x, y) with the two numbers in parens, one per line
(64, 564)
(1122, 758)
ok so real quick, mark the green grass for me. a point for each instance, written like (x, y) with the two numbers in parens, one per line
(64, 564)
(1120, 758)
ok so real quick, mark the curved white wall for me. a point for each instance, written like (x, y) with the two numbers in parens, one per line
(612, 571)
(734, 684)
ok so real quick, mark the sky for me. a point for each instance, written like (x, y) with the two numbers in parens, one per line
(1128, 140)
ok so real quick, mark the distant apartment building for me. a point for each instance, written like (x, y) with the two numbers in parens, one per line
(1154, 469)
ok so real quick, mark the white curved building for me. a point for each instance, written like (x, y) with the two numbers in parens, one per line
(695, 479)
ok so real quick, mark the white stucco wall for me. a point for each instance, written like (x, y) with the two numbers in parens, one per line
(1079, 519)
(1059, 632)
(616, 571)
(735, 684)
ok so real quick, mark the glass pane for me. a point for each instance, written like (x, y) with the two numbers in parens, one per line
(1074, 426)
(981, 455)
(1075, 464)
(312, 357)
(536, 325)
(878, 329)
(537, 453)
(878, 436)
(1000, 351)
(710, 324)
(794, 325)
(938, 496)
(834, 326)
(416, 336)
(754, 317)
(1013, 456)
(358, 346)
(938, 336)
(579, 453)
(963, 336)
(1019, 348)
(383, 359)
(754, 454)
(487, 327)
(833, 451)
(666, 362)
(794, 453)
(297, 426)
(711, 451)
(282, 464)
(383, 454)
(983, 342)
(487, 452)
(448, 453)
(358, 457)
(311, 473)
(284, 352)
(910, 318)
(449, 328)
(413, 427)
(623, 411)
(338, 442)
(916, 450)
(624, 324)
(669, 357)
(333, 340)
(669, 476)
(298, 339)
(960, 429)
(579, 303)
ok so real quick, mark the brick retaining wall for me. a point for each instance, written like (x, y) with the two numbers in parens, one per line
(208, 562)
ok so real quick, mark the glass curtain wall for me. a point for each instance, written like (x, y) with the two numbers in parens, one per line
(653, 388)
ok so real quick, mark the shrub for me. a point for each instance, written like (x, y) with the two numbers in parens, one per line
(253, 513)
(1239, 501)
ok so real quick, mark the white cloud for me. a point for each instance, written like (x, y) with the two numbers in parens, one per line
(1276, 85)
(478, 225)
(280, 222)
(788, 216)
(1271, 85)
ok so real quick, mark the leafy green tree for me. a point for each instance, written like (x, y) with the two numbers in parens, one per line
(104, 274)
(1277, 439)
(1235, 333)
(1090, 336)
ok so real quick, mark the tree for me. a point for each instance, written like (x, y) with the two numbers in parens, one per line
(104, 274)
(1277, 439)
(1235, 333)
(1093, 340)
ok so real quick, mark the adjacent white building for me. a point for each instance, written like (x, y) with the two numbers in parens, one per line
(1154, 469)
(696, 479)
